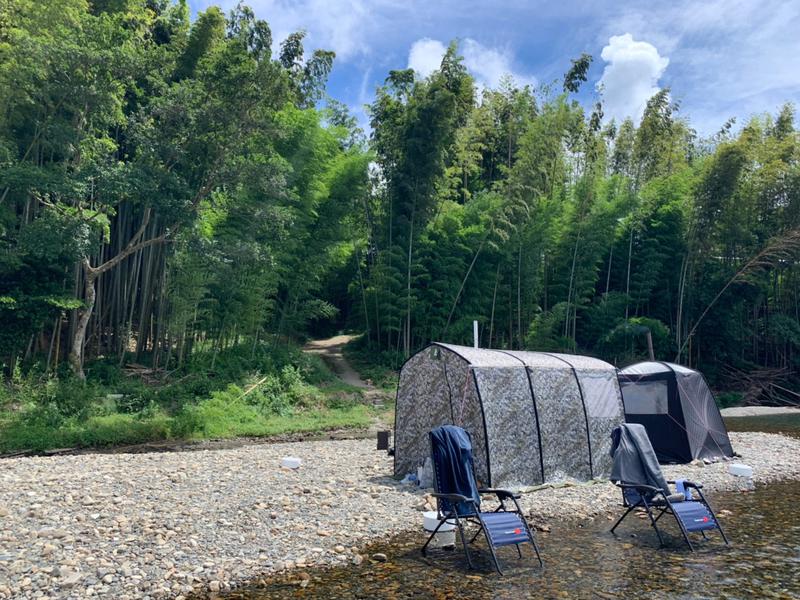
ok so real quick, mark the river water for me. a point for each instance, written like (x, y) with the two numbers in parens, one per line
(583, 560)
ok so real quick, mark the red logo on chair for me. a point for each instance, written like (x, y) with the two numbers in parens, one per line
(518, 531)
(705, 519)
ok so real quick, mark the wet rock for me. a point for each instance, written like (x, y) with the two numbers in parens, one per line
(379, 557)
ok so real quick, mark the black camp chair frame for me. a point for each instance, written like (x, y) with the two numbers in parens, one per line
(664, 506)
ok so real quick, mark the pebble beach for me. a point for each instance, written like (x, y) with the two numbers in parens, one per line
(198, 523)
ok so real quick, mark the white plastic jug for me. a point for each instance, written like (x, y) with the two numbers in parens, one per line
(290, 462)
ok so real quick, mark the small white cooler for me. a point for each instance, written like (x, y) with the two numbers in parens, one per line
(744, 476)
(446, 536)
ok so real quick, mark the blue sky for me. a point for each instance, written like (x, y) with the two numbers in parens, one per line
(721, 58)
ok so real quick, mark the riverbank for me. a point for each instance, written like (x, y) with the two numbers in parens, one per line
(758, 411)
(164, 525)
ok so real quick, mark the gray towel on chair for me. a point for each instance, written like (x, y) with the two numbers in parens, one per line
(634, 458)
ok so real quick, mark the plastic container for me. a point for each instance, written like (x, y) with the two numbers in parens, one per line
(290, 462)
(446, 536)
(740, 470)
(425, 474)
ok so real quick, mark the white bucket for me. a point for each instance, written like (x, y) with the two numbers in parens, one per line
(446, 536)
(290, 462)
(740, 470)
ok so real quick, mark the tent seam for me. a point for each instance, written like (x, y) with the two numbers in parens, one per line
(483, 418)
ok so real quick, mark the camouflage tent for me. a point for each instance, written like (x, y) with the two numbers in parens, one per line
(533, 416)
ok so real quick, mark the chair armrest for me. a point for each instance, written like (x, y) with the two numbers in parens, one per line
(640, 486)
(500, 493)
(453, 498)
(688, 484)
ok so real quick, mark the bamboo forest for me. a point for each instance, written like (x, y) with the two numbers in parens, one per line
(183, 205)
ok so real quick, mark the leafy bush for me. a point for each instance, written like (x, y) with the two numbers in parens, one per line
(380, 367)
(726, 399)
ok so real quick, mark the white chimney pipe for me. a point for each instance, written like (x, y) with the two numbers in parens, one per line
(475, 334)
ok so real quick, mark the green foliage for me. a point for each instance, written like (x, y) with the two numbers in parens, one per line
(380, 368)
(727, 399)
(272, 394)
(557, 232)
(627, 341)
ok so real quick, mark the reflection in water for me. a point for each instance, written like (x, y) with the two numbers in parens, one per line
(582, 560)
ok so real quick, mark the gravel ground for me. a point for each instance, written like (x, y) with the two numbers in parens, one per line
(173, 524)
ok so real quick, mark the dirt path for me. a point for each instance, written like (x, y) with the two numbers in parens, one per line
(330, 350)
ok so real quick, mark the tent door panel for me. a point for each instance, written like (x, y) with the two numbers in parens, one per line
(510, 426)
(666, 430)
(562, 424)
(708, 436)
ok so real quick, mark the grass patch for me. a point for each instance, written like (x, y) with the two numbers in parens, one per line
(727, 399)
(245, 394)
(219, 420)
(100, 431)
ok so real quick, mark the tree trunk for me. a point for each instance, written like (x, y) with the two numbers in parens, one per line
(407, 338)
(494, 300)
(463, 283)
(628, 276)
(84, 315)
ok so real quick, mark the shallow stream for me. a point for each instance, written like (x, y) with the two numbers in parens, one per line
(583, 560)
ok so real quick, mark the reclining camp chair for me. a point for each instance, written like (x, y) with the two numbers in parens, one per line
(637, 473)
(458, 497)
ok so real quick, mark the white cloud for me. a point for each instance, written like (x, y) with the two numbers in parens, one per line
(630, 76)
(425, 56)
(727, 57)
(338, 25)
(487, 65)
